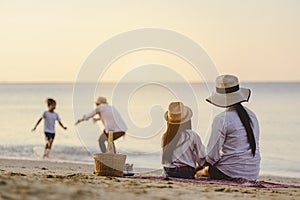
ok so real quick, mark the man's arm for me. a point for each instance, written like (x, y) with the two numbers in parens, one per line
(86, 117)
(37, 123)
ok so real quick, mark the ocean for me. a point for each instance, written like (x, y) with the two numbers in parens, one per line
(142, 106)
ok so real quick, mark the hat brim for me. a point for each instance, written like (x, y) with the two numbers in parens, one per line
(229, 99)
(98, 102)
(186, 118)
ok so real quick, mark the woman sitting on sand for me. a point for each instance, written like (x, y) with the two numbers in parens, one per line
(233, 148)
(182, 148)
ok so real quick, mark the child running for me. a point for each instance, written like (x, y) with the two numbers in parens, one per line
(49, 117)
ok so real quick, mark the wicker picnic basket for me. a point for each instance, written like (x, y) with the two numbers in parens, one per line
(108, 164)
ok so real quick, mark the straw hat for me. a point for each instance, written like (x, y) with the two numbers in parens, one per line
(101, 100)
(228, 92)
(178, 113)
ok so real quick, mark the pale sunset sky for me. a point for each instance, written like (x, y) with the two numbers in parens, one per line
(47, 41)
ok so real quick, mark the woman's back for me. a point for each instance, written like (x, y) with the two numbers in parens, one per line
(230, 137)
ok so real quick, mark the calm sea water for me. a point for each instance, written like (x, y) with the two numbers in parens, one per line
(143, 107)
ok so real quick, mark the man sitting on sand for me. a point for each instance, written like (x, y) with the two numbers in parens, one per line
(111, 120)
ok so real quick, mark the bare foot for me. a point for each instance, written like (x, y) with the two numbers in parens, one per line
(202, 172)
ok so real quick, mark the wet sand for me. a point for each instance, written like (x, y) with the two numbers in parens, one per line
(28, 179)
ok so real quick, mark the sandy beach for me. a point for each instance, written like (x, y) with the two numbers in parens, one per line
(28, 179)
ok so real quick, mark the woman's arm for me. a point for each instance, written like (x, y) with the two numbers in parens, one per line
(216, 140)
(199, 151)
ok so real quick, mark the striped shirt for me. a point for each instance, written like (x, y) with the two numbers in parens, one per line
(190, 152)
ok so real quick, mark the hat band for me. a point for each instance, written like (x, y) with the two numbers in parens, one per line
(228, 90)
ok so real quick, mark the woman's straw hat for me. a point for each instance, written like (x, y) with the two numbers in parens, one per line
(228, 92)
(101, 100)
(178, 113)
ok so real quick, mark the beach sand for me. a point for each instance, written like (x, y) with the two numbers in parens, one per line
(29, 179)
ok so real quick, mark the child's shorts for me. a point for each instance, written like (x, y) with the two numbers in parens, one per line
(49, 136)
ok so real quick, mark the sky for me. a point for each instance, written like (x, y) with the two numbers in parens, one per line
(48, 41)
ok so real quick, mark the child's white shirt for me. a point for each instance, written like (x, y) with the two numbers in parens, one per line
(49, 121)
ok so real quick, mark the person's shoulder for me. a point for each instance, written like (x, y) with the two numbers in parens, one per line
(191, 133)
(47, 114)
(104, 105)
(250, 112)
(100, 107)
(107, 107)
(55, 113)
(222, 115)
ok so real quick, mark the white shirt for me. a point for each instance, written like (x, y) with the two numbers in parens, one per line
(228, 148)
(110, 118)
(49, 121)
(191, 151)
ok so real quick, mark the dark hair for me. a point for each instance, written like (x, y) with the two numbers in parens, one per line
(244, 117)
(50, 101)
(171, 137)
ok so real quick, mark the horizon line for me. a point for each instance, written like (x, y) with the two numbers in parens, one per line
(112, 82)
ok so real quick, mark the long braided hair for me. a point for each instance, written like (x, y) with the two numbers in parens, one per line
(245, 118)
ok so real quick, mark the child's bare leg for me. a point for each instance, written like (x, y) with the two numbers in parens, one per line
(202, 172)
(50, 143)
(48, 148)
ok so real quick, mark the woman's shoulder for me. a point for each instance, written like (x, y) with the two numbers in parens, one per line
(221, 117)
(225, 117)
(232, 113)
(250, 112)
(191, 133)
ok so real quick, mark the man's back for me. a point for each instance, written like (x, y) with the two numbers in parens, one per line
(111, 118)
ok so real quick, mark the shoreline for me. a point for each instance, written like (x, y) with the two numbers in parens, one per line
(27, 179)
